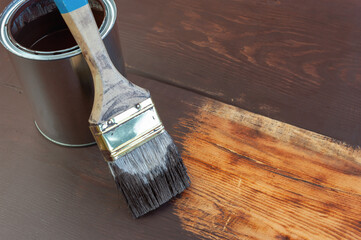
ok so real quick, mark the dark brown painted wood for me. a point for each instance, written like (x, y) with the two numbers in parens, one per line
(53, 192)
(252, 177)
(295, 61)
(258, 178)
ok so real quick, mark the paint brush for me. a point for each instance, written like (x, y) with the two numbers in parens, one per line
(141, 155)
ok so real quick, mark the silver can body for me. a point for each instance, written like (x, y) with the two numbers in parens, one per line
(56, 79)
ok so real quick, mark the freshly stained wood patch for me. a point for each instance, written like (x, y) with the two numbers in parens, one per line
(257, 178)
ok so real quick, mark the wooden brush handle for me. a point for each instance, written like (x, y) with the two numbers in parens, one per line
(113, 93)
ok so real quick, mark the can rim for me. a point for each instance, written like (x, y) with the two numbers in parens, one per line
(105, 28)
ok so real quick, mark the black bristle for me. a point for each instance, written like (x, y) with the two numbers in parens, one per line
(150, 175)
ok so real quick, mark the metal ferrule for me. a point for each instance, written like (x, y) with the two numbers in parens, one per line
(128, 130)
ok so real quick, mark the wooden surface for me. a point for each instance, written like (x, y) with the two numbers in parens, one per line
(294, 61)
(253, 177)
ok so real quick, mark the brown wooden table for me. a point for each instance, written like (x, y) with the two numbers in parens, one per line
(263, 98)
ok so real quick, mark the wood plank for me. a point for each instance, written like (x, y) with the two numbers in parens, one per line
(252, 178)
(257, 178)
(53, 192)
(297, 62)
(294, 61)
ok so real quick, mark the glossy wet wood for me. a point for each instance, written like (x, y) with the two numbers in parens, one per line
(253, 177)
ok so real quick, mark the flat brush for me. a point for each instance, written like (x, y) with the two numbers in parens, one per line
(141, 155)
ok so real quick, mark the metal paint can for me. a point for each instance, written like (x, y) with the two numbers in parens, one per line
(51, 68)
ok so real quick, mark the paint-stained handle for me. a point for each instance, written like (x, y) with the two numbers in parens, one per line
(112, 92)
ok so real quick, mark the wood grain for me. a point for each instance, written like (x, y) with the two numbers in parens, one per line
(297, 62)
(256, 178)
(252, 178)
(294, 61)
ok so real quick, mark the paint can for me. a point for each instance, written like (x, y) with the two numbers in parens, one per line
(51, 68)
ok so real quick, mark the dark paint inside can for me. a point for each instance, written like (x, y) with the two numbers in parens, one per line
(38, 26)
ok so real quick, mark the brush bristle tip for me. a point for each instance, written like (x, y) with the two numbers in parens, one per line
(150, 175)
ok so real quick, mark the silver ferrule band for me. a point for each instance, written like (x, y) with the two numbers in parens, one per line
(128, 130)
